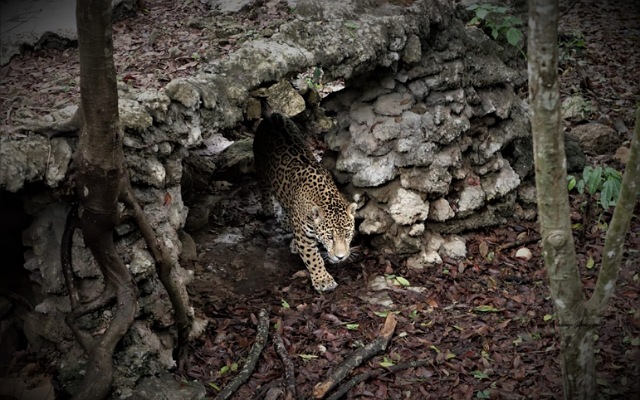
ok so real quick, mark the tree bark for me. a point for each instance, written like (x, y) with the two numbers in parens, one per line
(577, 318)
(100, 173)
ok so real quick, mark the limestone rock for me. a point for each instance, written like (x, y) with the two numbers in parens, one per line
(375, 220)
(471, 198)
(596, 138)
(393, 104)
(183, 91)
(440, 210)
(500, 183)
(407, 207)
(454, 247)
(412, 52)
(283, 98)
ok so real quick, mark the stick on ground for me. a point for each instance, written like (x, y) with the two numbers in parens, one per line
(289, 372)
(357, 357)
(348, 385)
(252, 360)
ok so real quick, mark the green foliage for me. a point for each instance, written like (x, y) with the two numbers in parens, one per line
(570, 46)
(598, 182)
(498, 22)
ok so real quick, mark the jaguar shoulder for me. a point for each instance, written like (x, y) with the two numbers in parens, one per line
(314, 209)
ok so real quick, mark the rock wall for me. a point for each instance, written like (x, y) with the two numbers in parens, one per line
(429, 136)
(429, 144)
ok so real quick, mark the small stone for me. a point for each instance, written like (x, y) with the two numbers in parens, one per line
(454, 248)
(393, 104)
(622, 154)
(440, 210)
(524, 254)
(412, 52)
(407, 207)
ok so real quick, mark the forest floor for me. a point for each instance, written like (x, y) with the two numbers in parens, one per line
(483, 327)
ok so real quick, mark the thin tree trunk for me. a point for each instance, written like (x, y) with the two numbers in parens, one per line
(576, 340)
(577, 318)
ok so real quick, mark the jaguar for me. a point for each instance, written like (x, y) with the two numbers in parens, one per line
(289, 175)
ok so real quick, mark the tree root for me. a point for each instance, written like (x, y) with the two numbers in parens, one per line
(357, 358)
(252, 360)
(72, 223)
(164, 266)
(289, 371)
(348, 385)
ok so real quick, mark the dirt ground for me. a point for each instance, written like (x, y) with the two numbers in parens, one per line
(483, 325)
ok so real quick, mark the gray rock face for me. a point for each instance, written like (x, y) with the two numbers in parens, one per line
(597, 138)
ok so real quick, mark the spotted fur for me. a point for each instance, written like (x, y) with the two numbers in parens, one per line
(314, 209)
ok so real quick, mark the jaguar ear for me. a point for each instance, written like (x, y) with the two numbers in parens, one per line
(317, 215)
(351, 209)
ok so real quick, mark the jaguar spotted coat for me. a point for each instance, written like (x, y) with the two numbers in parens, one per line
(314, 209)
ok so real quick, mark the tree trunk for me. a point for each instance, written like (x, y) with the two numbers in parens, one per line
(577, 319)
(100, 176)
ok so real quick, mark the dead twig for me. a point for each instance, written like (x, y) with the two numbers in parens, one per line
(254, 354)
(348, 385)
(517, 243)
(289, 371)
(357, 357)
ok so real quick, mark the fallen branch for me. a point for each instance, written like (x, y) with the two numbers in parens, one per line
(517, 243)
(289, 372)
(254, 354)
(357, 357)
(348, 385)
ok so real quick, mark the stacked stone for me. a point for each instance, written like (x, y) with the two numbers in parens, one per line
(422, 146)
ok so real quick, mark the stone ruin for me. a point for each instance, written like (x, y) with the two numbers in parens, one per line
(429, 136)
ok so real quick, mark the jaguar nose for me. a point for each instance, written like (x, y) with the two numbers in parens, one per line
(341, 256)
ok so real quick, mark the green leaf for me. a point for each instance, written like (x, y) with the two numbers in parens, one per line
(500, 10)
(594, 180)
(513, 36)
(474, 21)
(572, 182)
(351, 25)
(382, 314)
(473, 7)
(434, 348)
(547, 317)
(223, 370)
(352, 327)
(402, 281)
(449, 356)
(284, 303)
(482, 13)
(580, 186)
(485, 394)
(386, 362)
(590, 263)
(307, 356)
(486, 308)
(606, 195)
(494, 33)
(216, 387)
(479, 375)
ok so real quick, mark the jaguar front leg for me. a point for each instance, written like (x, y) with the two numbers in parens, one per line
(307, 247)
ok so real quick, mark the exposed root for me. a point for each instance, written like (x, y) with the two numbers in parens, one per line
(164, 266)
(356, 358)
(73, 223)
(252, 358)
